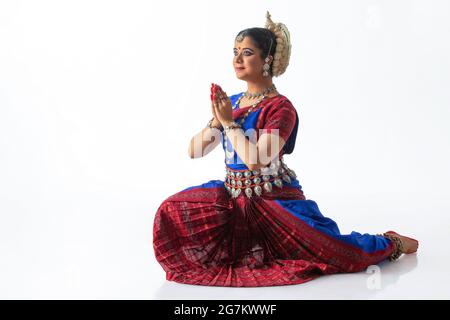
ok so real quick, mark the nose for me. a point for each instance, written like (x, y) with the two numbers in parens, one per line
(238, 57)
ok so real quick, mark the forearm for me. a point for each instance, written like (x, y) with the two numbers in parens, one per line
(247, 150)
(255, 152)
(203, 142)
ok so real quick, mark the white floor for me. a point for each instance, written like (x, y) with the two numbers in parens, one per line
(69, 244)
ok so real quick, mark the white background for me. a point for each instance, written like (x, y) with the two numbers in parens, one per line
(99, 99)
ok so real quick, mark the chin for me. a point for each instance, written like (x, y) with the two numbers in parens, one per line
(241, 76)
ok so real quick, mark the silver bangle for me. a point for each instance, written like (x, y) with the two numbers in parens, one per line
(233, 125)
(209, 125)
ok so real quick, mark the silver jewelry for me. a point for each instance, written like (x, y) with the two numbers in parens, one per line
(259, 94)
(246, 114)
(283, 45)
(233, 125)
(258, 181)
(209, 125)
(266, 66)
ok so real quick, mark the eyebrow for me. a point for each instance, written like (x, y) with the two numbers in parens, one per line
(244, 48)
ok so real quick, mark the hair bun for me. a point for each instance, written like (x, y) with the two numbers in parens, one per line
(283, 47)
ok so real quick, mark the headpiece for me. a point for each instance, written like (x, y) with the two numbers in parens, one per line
(283, 47)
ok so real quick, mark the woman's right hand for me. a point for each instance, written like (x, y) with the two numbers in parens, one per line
(215, 122)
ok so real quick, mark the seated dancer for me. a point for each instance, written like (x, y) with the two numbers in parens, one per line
(255, 227)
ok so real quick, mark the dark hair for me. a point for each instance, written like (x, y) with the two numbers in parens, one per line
(261, 38)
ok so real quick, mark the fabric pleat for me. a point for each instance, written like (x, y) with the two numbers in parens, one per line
(222, 241)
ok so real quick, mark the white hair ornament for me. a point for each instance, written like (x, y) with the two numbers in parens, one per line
(283, 46)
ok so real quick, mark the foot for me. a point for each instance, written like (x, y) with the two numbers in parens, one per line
(410, 245)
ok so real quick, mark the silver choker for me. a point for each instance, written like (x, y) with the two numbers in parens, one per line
(259, 94)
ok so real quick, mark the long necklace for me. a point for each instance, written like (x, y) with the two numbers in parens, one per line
(230, 154)
(249, 109)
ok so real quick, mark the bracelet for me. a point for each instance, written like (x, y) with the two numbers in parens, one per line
(209, 125)
(233, 125)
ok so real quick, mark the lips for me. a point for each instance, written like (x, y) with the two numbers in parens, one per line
(239, 68)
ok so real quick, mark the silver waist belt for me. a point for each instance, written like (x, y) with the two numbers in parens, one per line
(259, 180)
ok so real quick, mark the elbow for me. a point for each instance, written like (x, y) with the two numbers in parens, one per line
(257, 166)
(191, 153)
(254, 166)
(191, 150)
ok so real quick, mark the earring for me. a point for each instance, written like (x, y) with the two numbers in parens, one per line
(266, 67)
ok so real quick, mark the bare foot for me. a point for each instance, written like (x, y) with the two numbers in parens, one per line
(410, 245)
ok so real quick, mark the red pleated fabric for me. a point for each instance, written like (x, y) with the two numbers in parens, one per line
(202, 236)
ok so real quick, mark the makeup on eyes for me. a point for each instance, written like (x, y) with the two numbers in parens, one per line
(247, 51)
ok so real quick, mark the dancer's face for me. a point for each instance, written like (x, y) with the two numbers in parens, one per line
(247, 61)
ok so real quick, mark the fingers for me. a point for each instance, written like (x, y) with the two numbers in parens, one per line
(218, 96)
(215, 99)
(214, 89)
(216, 111)
(221, 96)
(218, 99)
(216, 104)
(220, 92)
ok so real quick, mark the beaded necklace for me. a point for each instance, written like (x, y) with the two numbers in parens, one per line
(248, 111)
(246, 114)
(225, 138)
(252, 106)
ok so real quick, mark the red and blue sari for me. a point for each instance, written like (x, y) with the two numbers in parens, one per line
(203, 236)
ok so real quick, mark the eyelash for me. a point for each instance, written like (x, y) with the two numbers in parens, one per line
(245, 53)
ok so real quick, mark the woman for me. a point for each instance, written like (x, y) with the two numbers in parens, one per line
(256, 228)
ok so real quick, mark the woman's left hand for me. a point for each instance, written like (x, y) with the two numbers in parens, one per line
(222, 107)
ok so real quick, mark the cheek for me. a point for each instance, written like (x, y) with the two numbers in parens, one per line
(252, 62)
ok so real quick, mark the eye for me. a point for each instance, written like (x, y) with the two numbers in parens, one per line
(246, 52)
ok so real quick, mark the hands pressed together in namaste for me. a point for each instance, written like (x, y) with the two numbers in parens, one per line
(220, 106)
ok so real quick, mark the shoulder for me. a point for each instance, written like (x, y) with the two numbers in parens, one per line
(279, 111)
(279, 103)
(235, 96)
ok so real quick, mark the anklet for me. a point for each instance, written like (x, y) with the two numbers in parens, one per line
(398, 245)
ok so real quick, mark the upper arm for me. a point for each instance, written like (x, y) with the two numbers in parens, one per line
(269, 146)
(278, 126)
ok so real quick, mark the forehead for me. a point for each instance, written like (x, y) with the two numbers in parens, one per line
(246, 43)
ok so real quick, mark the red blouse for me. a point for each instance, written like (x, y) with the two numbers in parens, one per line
(277, 113)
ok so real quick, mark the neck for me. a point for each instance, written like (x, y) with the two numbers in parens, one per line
(259, 86)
